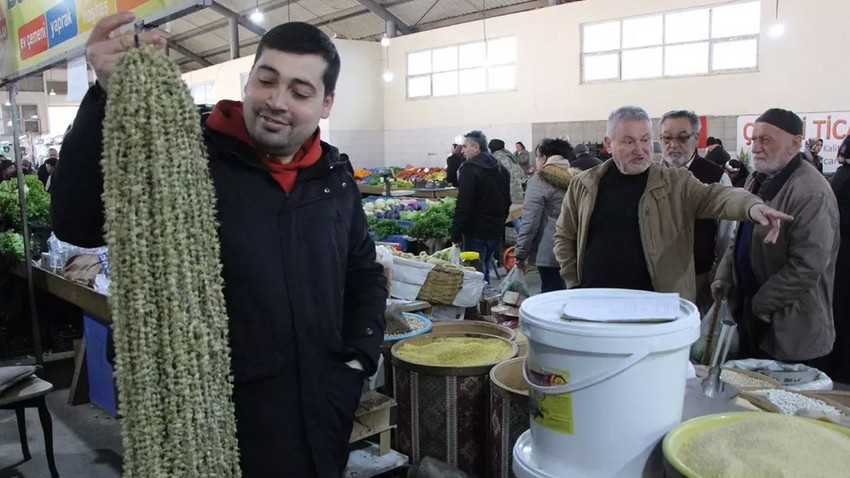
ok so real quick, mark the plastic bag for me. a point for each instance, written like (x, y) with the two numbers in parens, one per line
(385, 258)
(698, 347)
(787, 373)
(515, 282)
(455, 255)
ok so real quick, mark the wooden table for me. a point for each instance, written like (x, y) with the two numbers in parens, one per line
(368, 190)
(92, 303)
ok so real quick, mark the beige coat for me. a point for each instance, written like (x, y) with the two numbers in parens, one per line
(672, 200)
(796, 274)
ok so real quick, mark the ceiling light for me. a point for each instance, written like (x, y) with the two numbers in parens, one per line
(257, 16)
(8, 103)
(388, 76)
(385, 41)
(52, 92)
(34, 116)
(777, 30)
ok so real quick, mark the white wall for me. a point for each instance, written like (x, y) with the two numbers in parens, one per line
(801, 71)
(356, 125)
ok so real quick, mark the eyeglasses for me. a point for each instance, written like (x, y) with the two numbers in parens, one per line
(681, 139)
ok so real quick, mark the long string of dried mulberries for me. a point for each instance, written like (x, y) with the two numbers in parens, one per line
(170, 325)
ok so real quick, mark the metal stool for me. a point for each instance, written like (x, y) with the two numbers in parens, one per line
(30, 393)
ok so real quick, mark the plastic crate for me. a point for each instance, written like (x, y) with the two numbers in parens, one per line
(102, 390)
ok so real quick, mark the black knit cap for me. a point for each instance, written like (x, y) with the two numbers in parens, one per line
(785, 120)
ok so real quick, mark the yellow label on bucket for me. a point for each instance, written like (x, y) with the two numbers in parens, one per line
(552, 411)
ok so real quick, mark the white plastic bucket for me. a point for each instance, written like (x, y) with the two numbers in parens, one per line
(601, 394)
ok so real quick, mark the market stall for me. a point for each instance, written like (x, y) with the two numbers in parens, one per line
(405, 182)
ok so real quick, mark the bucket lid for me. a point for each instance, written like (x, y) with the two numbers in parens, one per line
(540, 320)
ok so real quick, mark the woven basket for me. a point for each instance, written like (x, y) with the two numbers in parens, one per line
(442, 285)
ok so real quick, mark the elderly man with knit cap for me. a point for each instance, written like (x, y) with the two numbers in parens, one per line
(782, 295)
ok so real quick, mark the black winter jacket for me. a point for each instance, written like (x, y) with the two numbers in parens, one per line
(484, 199)
(302, 287)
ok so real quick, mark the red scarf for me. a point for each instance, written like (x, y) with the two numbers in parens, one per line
(227, 118)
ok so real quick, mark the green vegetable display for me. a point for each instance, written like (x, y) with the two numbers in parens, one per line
(11, 246)
(386, 227)
(170, 324)
(38, 203)
(436, 221)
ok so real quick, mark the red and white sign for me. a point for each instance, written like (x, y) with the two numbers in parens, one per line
(832, 128)
(33, 37)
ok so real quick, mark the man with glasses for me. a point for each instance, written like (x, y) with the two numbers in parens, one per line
(679, 135)
(628, 223)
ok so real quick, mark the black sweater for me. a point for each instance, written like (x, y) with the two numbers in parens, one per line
(614, 255)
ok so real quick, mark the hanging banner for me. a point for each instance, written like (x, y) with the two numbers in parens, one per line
(832, 128)
(36, 32)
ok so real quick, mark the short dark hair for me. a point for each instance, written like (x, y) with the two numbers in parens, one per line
(496, 145)
(712, 140)
(519, 143)
(555, 147)
(454, 145)
(51, 161)
(477, 137)
(303, 39)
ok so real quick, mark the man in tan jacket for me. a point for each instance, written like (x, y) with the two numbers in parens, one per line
(629, 223)
(782, 295)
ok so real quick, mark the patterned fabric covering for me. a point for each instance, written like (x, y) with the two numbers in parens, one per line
(444, 417)
(508, 420)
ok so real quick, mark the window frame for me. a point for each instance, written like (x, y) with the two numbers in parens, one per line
(459, 70)
(710, 40)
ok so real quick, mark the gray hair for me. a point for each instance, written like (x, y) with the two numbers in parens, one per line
(626, 113)
(478, 137)
(696, 126)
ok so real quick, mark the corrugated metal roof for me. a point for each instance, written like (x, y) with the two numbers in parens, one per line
(345, 18)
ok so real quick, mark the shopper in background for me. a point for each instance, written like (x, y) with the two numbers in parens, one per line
(782, 295)
(629, 223)
(453, 163)
(737, 171)
(483, 201)
(839, 367)
(7, 169)
(304, 293)
(811, 153)
(511, 164)
(26, 167)
(523, 156)
(583, 160)
(679, 136)
(540, 210)
(715, 152)
(50, 166)
(43, 174)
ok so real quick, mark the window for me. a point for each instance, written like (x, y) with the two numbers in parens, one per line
(463, 69)
(202, 93)
(28, 119)
(690, 42)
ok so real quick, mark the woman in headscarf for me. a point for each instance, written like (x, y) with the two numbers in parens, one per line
(811, 153)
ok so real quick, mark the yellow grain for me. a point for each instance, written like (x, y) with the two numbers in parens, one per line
(454, 351)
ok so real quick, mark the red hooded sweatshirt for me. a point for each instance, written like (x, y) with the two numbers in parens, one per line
(227, 118)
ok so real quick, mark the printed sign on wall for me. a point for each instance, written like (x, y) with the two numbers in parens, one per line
(832, 128)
